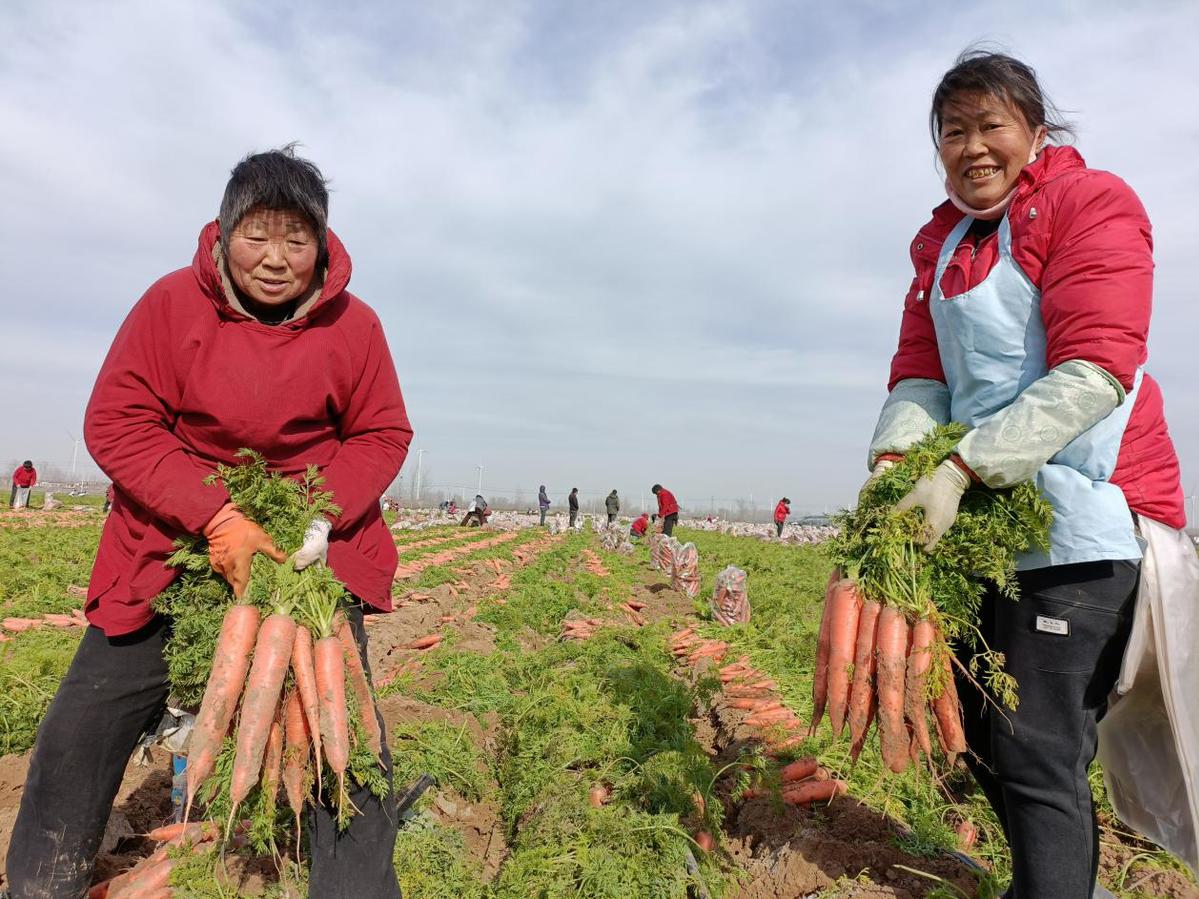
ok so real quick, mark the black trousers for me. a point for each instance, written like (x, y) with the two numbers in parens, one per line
(114, 692)
(1063, 642)
(778, 528)
(611, 517)
(574, 514)
(669, 522)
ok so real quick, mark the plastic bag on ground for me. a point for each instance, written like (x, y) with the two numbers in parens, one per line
(1149, 739)
(684, 575)
(730, 599)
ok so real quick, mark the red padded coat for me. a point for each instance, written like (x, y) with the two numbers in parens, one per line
(1082, 237)
(189, 380)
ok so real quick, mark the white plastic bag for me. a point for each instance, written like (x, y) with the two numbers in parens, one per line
(730, 599)
(1149, 739)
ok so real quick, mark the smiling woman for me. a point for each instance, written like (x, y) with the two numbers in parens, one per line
(1027, 321)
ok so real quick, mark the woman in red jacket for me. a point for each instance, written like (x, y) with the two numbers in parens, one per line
(257, 344)
(781, 511)
(1027, 320)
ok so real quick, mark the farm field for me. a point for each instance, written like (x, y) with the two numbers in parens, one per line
(570, 766)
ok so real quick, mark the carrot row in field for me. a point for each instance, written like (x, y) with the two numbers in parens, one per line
(50, 619)
(406, 570)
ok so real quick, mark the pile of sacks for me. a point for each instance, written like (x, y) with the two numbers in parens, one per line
(730, 599)
(616, 539)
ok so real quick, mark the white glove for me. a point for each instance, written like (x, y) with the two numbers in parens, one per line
(879, 467)
(316, 544)
(939, 495)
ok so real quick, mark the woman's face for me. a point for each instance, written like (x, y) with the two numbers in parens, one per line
(983, 144)
(272, 255)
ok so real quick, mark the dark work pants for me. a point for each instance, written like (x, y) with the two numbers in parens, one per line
(778, 528)
(113, 692)
(543, 511)
(669, 522)
(611, 517)
(574, 514)
(1063, 641)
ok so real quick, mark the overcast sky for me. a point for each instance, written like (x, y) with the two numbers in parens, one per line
(612, 243)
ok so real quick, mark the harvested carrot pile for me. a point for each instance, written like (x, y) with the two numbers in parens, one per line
(593, 564)
(896, 618)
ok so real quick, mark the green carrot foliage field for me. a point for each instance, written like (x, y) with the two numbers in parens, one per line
(591, 763)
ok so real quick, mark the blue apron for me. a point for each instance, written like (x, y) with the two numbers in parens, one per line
(992, 345)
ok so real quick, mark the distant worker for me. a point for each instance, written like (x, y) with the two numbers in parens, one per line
(573, 502)
(543, 503)
(477, 512)
(640, 526)
(668, 508)
(612, 504)
(451, 508)
(109, 495)
(781, 511)
(24, 479)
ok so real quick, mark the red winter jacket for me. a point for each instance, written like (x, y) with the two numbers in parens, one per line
(1082, 237)
(189, 380)
(24, 477)
(667, 504)
(640, 526)
(781, 511)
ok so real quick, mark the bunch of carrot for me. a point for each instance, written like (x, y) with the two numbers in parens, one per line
(870, 665)
(286, 690)
(896, 616)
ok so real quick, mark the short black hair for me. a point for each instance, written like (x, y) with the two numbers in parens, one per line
(978, 70)
(655, 488)
(277, 179)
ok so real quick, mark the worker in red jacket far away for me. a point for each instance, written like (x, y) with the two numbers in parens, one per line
(24, 479)
(259, 344)
(640, 526)
(781, 511)
(668, 508)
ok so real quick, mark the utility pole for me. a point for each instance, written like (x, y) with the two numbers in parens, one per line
(420, 457)
(480, 490)
(74, 457)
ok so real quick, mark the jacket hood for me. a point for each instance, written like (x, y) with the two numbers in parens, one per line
(337, 277)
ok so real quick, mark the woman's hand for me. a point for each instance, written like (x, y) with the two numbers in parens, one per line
(232, 541)
(939, 495)
(316, 544)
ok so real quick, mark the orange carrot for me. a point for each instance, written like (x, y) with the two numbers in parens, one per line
(861, 691)
(295, 763)
(820, 678)
(361, 687)
(892, 651)
(426, 642)
(798, 770)
(949, 713)
(272, 760)
(915, 699)
(856, 747)
(748, 704)
(814, 791)
(230, 662)
(272, 653)
(843, 632)
(331, 691)
(303, 667)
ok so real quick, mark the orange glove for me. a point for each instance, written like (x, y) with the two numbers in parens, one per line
(232, 541)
